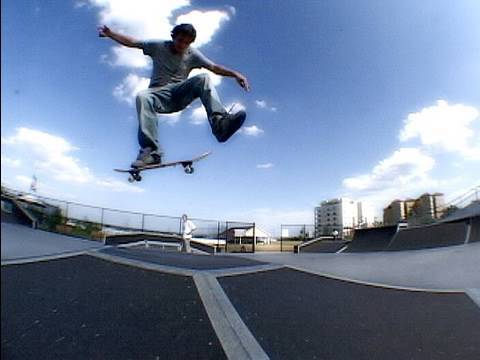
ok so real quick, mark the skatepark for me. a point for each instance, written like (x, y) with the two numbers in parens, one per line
(78, 298)
(240, 180)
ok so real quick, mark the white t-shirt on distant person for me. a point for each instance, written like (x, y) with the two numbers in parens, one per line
(188, 228)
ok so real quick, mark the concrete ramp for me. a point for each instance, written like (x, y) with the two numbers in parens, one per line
(373, 239)
(174, 239)
(19, 214)
(432, 236)
(470, 211)
(322, 246)
(20, 242)
(474, 230)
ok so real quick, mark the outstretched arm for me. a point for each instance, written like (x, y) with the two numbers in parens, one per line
(104, 31)
(221, 70)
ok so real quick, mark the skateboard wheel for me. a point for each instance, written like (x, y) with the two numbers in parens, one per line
(188, 169)
(131, 179)
(138, 178)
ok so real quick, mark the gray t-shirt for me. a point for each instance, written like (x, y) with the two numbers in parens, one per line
(169, 67)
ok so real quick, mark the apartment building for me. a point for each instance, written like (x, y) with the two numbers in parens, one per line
(427, 208)
(341, 214)
(423, 210)
(397, 211)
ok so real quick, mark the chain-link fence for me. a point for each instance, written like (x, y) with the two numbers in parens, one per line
(328, 230)
(96, 223)
(295, 234)
(239, 236)
(471, 196)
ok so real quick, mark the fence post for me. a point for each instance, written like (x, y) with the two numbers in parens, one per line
(254, 239)
(143, 222)
(226, 236)
(218, 233)
(281, 238)
(101, 221)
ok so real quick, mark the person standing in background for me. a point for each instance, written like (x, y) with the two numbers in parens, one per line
(188, 229)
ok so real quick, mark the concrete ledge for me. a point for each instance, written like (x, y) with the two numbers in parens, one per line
(142, 264)
(244, 270)
(474, 294)
(118, 239)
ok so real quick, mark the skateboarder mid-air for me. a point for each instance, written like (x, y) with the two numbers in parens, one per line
(171, 90)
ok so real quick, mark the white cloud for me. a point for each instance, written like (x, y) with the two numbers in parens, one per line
(253, 131)
(23, 180)
(141, 18)
(262, 104)
(403, 167)
(118, 186)
(127, 57)
(232, 10)
(14, 163)
(264, 166)
(235, 106)
(271, 219)
(198, 116)
(472, 153)
(442, 130)
(215, 79)
(207, 23)
(446, 127)
(170, 119)
(51, 156)
(51, 153)
(406, 173)
(81, 4)
(129, 88)
(111, 184)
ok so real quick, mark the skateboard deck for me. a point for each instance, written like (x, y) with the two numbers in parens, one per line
(187, 166)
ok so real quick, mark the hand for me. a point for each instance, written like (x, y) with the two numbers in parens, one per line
(104, 31)
(243, 82)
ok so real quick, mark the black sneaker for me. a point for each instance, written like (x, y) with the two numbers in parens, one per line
(225, 125)
(146, 157)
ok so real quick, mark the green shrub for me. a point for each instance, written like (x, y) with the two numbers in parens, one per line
(54, 219)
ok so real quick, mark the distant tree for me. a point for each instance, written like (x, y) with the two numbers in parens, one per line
(302, 233)
(377, 223)
(449, 210)
(54, 219)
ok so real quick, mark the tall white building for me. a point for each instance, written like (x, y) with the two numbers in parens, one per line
(337, 214)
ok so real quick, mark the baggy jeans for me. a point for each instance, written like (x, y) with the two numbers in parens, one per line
(172, 98)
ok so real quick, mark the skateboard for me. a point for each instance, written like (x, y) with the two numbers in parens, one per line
(187, 167)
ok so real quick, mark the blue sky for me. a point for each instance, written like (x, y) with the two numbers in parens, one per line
(373, 100)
